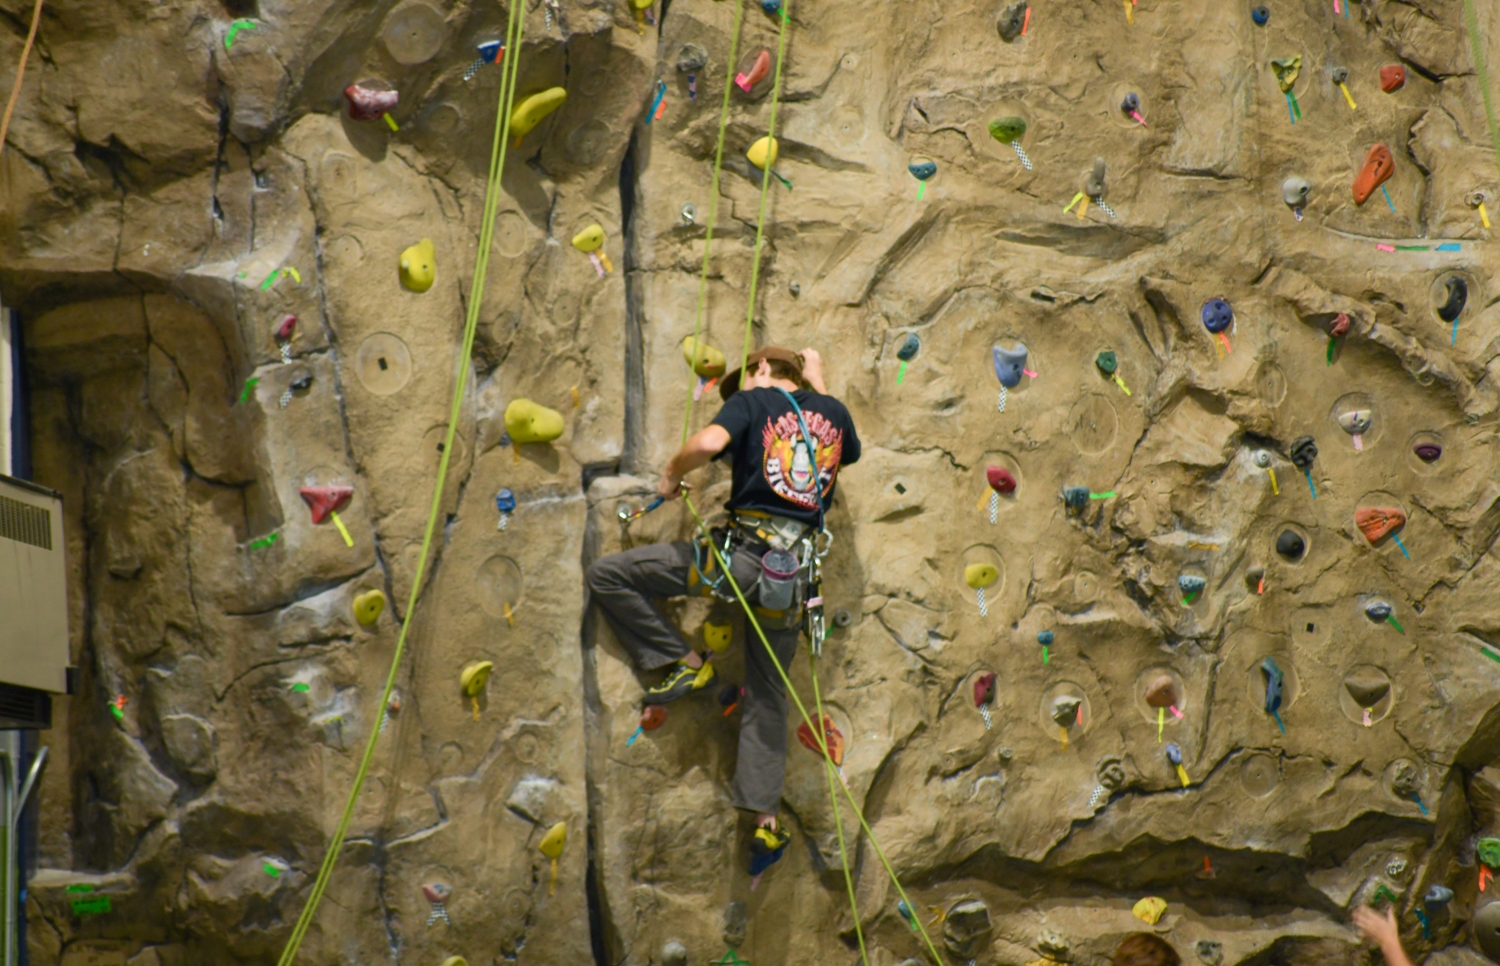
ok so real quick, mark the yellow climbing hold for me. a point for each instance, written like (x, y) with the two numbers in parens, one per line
(979, 575)
(552, 846)
(367, 606)
(529, 113)
(591, 242)
(706, 361)
(762, 153)
(473, 680)
(717, 636)
(455, 961)
(1150, 909)
(529, 422)
(419, 266)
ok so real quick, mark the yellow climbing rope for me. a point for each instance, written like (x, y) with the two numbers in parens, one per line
(838, 819)
(713, 211)
(816, 730)
(513, 34)
(1471, 20)
(765, 179)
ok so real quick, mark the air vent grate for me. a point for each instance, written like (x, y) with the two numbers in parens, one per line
(25, 523)
(24, 708)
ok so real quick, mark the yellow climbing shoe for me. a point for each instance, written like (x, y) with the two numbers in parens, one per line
(683, 680)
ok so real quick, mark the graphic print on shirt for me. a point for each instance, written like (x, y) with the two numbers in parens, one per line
(789, 469)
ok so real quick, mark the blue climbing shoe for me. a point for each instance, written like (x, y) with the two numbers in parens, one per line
(767, 848)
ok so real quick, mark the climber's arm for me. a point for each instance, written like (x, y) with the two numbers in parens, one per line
(701, 447)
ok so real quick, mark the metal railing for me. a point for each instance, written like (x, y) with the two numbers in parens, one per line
(12, 804)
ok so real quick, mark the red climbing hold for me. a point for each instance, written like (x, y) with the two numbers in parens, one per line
(367, 104)
(833, 735)
(284, 330)
(324, 500)
(758, 73)
(1000, 479)
(984, 689)
(1376, 522)
(1392, 78)
(653, 717)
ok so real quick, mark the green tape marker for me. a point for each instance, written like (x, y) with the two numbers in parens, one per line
(272, 871)
(1490, 654)
(92, 906)
(234, 29)
(301, 688)
(79, 888)
(1102, 496)
(249, 387)
(263, 542)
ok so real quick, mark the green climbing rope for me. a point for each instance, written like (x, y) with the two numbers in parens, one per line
(1471, 20)
(713, 210)
(838, 818)
(513, 35)
(816, 730)
(765, 181)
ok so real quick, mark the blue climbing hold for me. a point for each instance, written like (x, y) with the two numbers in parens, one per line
(1191, 583)
(1217, 316)
(1131, 104)
(1274, 678)
(909, 348)
(1045, 637)
(505, 501)
(1438, 896)
(772, 8)
(489, 51)
(1010, 365)
(1174, 753)
(1076, 497)
(922, 169)
(1260, 15)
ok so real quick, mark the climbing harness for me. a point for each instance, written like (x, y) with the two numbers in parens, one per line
(514, 29)
(828, 764)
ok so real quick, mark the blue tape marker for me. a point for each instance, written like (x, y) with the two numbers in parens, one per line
(1388, 199)
(1449, 247)
(661, 91)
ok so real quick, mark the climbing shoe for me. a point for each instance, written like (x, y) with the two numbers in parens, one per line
(767, 848)
(683, 680)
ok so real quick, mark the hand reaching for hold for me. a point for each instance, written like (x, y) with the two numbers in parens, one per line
(1382, 931)
(812, 369)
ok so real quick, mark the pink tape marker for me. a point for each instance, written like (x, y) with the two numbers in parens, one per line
(1137, 116)
(1174, 710)
(1028, 372)
(1386, 248)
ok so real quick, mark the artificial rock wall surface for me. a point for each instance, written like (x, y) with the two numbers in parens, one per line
(156, 176)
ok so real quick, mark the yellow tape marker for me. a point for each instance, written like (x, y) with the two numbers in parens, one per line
(1076, 198)
(1083, 208)
(1484, 216)
(343, 531)
(1275, 490)
(390, 122)
(1129, 13)
(1348, 97)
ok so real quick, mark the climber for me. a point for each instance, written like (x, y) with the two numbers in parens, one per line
(1383, 932)
(778, 494)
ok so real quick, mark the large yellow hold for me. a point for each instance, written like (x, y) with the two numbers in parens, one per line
(717, 636)
(419, 266)
(590, 241)
(706, 361)
(762, 153)
(472, 681)
(529, 422)
(552, 846)
(367, 606)
(529, 113)
(980, 575)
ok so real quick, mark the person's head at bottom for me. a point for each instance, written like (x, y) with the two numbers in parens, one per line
(1145, 949)
(770, 366)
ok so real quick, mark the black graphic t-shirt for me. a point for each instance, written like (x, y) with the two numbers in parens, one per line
(773, 471)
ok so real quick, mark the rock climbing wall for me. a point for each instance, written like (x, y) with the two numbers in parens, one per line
(1170, 571)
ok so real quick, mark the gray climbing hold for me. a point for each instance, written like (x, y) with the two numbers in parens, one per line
(1110, 772)
(1356, 421)
(1367, 688)
(1076, 497)
(1377, 610)
(1261, 458)
(966, 929)
(1339, 75)
(1093, 183)
(1191, 583)
(1174, 753)
(1486, 929)
(1012, 20)
(1438, 895)
(1304, 451)
(736, 920)
(909, 348)
(302, 384)
(1210, 951)
(1294, 192)
(691, 58)
(1065, 710)
(1291, 545)
(842, 618)
(1010, 364)
(674, 954)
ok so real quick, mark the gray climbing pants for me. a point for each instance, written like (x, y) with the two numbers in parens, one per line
(625, 584)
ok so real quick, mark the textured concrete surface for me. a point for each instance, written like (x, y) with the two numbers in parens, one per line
(154, 179)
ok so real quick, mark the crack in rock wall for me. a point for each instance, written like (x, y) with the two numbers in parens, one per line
(157, 180)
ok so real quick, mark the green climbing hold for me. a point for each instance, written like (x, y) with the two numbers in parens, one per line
(1488, 851)
(1007, 130)
(1107, 362)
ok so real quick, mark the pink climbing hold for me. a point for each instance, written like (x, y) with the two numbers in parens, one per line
(324, 501)
(367, 104)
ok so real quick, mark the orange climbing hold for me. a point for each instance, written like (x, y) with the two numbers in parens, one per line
(831, 734)
(1376, 171)
(1376, 522)
(759, 72)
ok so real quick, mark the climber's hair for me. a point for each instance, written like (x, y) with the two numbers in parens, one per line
(781, 369)
(1144, 949)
